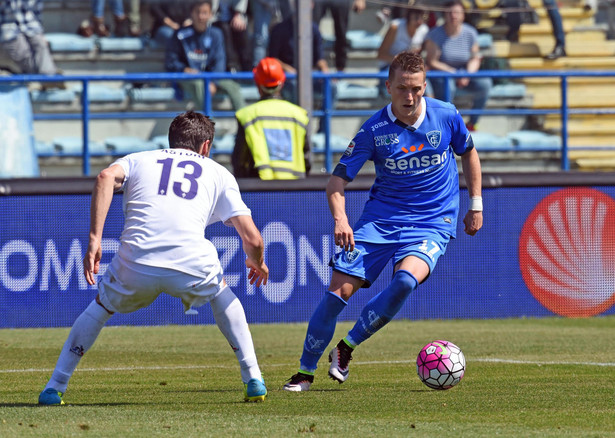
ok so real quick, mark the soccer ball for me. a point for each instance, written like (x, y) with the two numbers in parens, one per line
(440, 365)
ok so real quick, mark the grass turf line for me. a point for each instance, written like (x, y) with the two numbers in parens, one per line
(184, 382)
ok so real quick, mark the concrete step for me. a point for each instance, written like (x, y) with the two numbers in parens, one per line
(506, 49)
(564, 63)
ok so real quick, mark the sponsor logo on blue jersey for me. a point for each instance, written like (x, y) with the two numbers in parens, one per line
(386, 140)
(415, 163)
(349, 149)
(434, 138)
(379, 125)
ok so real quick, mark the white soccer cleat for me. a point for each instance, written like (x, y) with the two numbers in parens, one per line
(299, 382)
(340, 357)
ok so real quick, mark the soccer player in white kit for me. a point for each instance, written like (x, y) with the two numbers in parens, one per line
(170, 196)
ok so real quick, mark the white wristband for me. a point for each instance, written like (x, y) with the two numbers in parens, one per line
(476, 203)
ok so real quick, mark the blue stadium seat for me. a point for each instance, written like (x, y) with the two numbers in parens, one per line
(70, 145)
(161, 141)
(99, 93)
(485, 40)
(363, 40)
(69, 42)
(53, 96)
(114, 44)
(44, 148)
(485, 141)
(349, 91)
(151, 94)
(507, 91)
(535, 140)
(338, 143)
(123, 145)
(250, 92)
(223, 144)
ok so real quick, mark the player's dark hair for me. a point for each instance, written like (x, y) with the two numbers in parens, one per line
(190, 130)
(408, 62)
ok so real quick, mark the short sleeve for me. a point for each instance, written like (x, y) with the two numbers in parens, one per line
(229, 203)
(360, 149)
(461, 141)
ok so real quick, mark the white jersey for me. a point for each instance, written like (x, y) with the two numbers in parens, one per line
(170, 196)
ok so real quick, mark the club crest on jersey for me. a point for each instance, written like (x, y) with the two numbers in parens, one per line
(434, 138)
(351, 256)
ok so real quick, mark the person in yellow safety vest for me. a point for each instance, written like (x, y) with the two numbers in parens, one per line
(271, 141)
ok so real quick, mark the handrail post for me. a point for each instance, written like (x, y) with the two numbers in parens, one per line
(207, 97)
(326, 104)
(564, 131)
(85, 121)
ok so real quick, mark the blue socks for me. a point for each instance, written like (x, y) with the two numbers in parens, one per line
(320, 330)
(383, 307)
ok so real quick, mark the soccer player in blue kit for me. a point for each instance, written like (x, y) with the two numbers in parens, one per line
(409, 218)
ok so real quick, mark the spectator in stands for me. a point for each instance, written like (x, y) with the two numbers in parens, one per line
(23, 40)
(515, 20)
(122, 27)
(264, 12)
(282, 47)
(271, 141)
(340, 11)
(134, 18)
(230, 17)
(406, 33)
(200, 48)
(168, 17)
(453, 47)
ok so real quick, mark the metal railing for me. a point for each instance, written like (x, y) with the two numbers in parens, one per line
(326, 113)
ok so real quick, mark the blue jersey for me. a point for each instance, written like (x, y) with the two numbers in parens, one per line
(417, 182)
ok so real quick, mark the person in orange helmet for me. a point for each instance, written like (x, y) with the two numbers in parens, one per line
(271, 141)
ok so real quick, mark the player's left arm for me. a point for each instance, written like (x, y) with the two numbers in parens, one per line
(107, 181)
(473, 219)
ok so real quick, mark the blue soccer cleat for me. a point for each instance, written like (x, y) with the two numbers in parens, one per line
(254, 391)
(50, 397)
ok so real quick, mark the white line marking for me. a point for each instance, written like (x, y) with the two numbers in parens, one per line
(384, 362)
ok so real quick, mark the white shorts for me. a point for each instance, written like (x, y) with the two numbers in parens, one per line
(126, 287)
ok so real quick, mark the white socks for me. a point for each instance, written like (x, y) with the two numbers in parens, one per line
(231, 320)
(81, 337)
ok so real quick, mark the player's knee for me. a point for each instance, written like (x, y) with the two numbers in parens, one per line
(403, 282)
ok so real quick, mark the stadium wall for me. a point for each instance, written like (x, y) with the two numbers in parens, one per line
(547, 248)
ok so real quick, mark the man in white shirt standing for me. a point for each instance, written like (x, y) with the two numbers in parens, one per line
(170, 196)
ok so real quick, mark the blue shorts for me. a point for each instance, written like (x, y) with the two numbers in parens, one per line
(368, 259)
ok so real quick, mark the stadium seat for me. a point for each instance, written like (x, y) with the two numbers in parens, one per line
(161, 141)
(338, 143)
(224, 144)
(114, 44)
(485, 141)
(53, 96)
(69, 42)
(44, 148)
(534, 140)
(151, 94)
(123, 145)
(507, 91)
(349, 91)
(74, 146)
(98, 93)
(485, 41)
(363, 40)
(250, 92)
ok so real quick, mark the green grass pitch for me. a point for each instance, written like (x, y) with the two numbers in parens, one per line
(548, 377)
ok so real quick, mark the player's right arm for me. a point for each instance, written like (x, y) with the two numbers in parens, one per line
(254, 248)
(343, 234)
(107, 181)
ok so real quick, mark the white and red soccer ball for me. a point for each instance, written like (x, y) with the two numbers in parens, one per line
(440, 365)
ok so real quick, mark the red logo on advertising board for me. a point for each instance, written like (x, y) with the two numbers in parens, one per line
(567, 252)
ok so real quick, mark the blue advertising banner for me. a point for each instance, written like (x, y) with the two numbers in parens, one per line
(541, 252)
